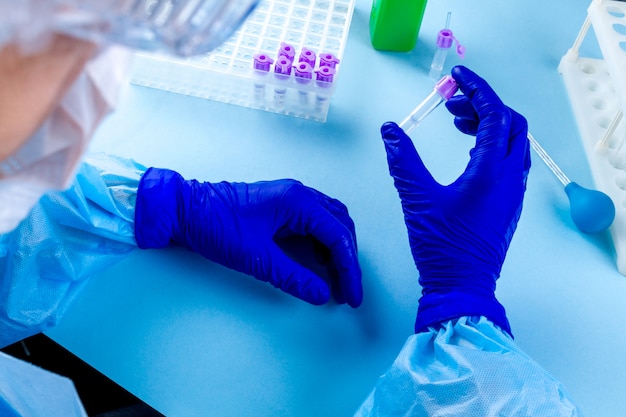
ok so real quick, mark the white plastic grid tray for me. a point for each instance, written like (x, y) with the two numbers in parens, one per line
(227, 74)
(597, 92)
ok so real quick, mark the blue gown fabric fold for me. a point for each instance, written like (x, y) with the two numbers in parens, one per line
(466, 367)
(67, 237)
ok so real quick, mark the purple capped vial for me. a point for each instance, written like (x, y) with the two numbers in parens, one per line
(303, 72)
(328, 60)
(287, 51)
(262, 62)
(325, 74)
(307, 55)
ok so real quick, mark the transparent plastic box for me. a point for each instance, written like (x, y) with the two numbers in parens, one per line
(227, 74)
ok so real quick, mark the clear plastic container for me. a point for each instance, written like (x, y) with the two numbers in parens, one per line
(179, 27)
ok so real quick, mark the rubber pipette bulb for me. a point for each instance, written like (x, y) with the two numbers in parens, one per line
(443, 90)
(592, 211)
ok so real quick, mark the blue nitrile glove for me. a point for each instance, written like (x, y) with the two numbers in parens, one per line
(237, 225)
(459, 233)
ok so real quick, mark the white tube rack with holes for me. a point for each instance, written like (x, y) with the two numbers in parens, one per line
(597, 92)
(227, 74)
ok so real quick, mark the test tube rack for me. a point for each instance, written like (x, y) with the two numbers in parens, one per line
(597, 93)
(227, 74)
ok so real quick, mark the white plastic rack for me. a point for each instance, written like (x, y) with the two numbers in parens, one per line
(227, 74)
(597, 92)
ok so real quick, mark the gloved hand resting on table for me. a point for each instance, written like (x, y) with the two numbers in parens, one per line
(237, 225)
(459, 233)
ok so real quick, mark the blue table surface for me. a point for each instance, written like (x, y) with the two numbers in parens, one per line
(192, 338)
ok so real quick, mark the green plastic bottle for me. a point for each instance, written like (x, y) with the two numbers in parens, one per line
(395, 24)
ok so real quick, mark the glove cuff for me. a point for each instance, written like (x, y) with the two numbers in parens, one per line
(438, 308)
(157, 207)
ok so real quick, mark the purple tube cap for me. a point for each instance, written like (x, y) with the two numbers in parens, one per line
(303, 70)
(446, 87)
(328, 60)
(445, 38)
(282, 66)
(286, 51)
(325, 74)
(307, 55)
(262, 62)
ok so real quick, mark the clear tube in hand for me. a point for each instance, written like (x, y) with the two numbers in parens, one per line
(443, 90)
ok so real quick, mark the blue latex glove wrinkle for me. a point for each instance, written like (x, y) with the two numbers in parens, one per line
(236, 225)
(459, 233)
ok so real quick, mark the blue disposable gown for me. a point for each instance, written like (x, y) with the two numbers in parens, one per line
(66, 238)
(465, 367)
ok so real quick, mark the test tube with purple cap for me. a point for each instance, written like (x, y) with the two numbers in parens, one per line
(443, 90)
(445, 39)
(303, 72)
(282, 71)
(261, 65)
(324, 78)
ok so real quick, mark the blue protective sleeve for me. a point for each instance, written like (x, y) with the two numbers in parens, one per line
(466, 367)
(27, 390)
(68, 237)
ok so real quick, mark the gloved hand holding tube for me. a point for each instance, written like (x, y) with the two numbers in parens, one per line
(237, 225)
(459, 233)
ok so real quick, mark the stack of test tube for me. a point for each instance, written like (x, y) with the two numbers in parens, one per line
(294, 82)
(235, 73)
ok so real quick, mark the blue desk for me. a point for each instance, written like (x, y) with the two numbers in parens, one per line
(192, 338)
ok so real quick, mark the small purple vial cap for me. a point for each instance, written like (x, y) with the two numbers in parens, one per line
(262, 62)
(446, 87)
(303, 70)
(287, 51)
(325, 74)
(445, 38)
(308, 56)
(282, 66)
(328, 60)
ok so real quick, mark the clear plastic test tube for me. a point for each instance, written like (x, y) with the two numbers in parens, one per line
(444, 42)
(324, 77)
(261, 65)
(445, 39)
(303, 73)
(282, 71)
(443, 90)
